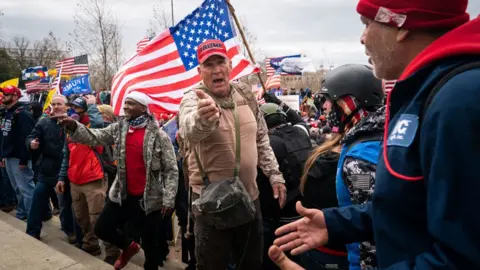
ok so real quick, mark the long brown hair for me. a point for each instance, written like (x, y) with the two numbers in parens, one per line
(320, 150)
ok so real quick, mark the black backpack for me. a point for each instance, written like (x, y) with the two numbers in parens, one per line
(298, 152)
(449, 75)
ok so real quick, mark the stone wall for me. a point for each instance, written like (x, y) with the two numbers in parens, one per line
(308, 80)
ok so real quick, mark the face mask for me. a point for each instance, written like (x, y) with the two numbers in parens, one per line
(333, 117)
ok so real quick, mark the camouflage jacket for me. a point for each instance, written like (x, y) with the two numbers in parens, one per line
(193, 131)
(158, 154)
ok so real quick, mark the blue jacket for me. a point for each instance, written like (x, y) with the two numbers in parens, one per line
(368, 151)
(424, 213)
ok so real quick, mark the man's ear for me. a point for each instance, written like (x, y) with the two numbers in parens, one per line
(402, 35)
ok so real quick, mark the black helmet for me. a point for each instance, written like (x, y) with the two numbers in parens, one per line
(356, 80)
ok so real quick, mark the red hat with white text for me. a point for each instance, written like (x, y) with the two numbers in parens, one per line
(416, 14)
(210, 48)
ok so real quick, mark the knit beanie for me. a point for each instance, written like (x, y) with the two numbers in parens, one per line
(416, 14)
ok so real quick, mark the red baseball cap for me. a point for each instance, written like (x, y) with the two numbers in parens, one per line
(209, 48)
(11, 90)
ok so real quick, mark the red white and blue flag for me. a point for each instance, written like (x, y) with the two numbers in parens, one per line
(167, 66)
(388, 85)
(38, 85)
(77, 65)
(142, 44)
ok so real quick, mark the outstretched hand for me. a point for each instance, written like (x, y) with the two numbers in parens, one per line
(304, 234)
(66, 121)
(207, 108)
(281, 260)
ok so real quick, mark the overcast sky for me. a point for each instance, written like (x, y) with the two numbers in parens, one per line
(328, 31)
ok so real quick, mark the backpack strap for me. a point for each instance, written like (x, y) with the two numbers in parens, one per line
(444, 80)
(247, 95)
(377, 136)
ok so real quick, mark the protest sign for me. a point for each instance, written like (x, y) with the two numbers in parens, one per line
(77, 86)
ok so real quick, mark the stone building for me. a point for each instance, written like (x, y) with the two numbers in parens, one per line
(312, 81)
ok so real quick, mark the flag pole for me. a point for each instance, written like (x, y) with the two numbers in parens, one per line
(173, 18)
(244, 39)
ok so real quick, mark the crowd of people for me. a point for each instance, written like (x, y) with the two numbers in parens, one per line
(357, 180)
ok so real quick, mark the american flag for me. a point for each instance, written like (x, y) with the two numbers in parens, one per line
(77, 65)
(274, 81)
(142, 44)
(261, 101)
(167, 66)
(38, 85)
(388, 85)
(269, 68)
(56, 82)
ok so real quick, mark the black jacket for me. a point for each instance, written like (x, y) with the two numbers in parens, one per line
(17, 123)
(291, 146)
(52, 139)
(320, 189)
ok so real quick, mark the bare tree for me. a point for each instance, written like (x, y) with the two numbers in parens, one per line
(116, 52)
(18, 50)
(160, 21)
(251, 41)
(97, 33)
(48, 51)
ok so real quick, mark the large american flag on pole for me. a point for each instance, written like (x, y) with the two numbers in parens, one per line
(167, 66)
(77, 65)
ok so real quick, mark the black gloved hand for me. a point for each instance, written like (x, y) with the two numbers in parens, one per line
(271, 98)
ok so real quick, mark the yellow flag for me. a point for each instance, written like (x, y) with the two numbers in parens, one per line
(12, 82)
(51, 93)
(52, 72)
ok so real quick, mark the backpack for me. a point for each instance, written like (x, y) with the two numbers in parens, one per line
(449, 75)
(109, 164)
(298, 152)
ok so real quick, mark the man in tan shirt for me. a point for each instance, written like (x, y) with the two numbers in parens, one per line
(207, 124)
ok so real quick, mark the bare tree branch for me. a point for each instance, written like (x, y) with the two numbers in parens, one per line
(97, 33)
(48, 51)
(251, 41)
(160, 21)
(18, 49)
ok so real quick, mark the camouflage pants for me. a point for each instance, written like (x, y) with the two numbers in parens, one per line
(215, 248)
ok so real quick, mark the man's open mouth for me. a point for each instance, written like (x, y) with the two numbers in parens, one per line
(218, 82)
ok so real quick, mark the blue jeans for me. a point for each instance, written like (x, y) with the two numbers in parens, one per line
(39, 209)
(67, 217)
(22, 183)
(7, 194)
(314, 259)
